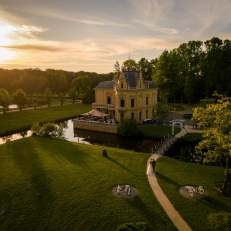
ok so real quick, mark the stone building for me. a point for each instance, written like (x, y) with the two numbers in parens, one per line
(129, 95)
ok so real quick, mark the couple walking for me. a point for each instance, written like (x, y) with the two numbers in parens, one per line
(151, 167)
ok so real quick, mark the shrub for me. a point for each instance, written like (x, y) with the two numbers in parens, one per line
(48, 129)
(128, 127)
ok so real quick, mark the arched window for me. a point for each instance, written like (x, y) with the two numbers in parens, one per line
(109, 100)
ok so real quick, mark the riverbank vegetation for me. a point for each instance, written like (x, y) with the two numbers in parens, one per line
(51, 184)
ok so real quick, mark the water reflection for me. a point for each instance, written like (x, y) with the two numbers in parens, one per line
(111, 140)
(93, 138)
(15, 136)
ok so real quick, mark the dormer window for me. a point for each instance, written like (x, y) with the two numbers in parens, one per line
(122, 85)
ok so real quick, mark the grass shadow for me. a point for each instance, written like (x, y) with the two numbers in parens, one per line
(120, 165)
(151, 216)
(166, 179)
(215, 204)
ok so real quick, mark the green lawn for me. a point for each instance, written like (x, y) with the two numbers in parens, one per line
(157, 132)
(172, 174)
(14, 121)
(49, 184)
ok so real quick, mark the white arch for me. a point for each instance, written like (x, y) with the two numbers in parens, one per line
(177, 122)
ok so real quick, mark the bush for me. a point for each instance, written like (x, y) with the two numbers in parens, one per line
(48, 129)
(128, 127)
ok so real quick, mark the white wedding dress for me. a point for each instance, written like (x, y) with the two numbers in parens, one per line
(150, 169)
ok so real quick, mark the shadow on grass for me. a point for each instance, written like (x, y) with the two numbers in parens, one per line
(151, 216)
(114, 161)
(77, 157)
(31, 166)
(166, 179)
(215, 204)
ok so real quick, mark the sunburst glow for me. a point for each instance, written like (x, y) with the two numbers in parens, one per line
(5, 40)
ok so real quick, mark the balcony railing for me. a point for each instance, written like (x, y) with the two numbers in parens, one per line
(102, 105)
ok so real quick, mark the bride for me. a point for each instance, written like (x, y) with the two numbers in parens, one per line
(150, 168)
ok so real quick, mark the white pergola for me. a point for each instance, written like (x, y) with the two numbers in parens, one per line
(180, 122)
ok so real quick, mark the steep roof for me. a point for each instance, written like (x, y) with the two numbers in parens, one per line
(131, 76)
(106, 84)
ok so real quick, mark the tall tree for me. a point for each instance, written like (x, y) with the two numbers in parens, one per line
(146, 67)
(194, 53)
(117, 70)
(162, 76)
(216, 117)
(61, 98)
(5, 99)
(212, 65)
(81, 83)
(20, 98)
(73, 94)
(130, 64)
(48, 96)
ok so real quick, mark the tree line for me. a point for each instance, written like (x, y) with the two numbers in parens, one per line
(35, 81)
(193, 71)
(28, 85)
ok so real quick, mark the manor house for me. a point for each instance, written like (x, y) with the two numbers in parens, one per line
(128, 95)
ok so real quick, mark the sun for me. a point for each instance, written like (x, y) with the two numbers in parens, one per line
(5, 53)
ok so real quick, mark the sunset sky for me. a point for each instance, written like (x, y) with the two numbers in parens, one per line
(91, 35)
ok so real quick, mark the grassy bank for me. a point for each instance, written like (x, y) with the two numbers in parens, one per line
(172, 174)
(15, 121)
(193, 138)
(157, 132)
(49, 184)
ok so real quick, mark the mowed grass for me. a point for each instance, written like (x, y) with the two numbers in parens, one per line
(173, 174)
(50, 184)
(158, 132)
(15, 121)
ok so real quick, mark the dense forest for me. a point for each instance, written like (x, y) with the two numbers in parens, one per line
(35, 81)
(193, 71)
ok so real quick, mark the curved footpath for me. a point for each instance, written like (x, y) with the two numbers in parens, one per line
(161, 197)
